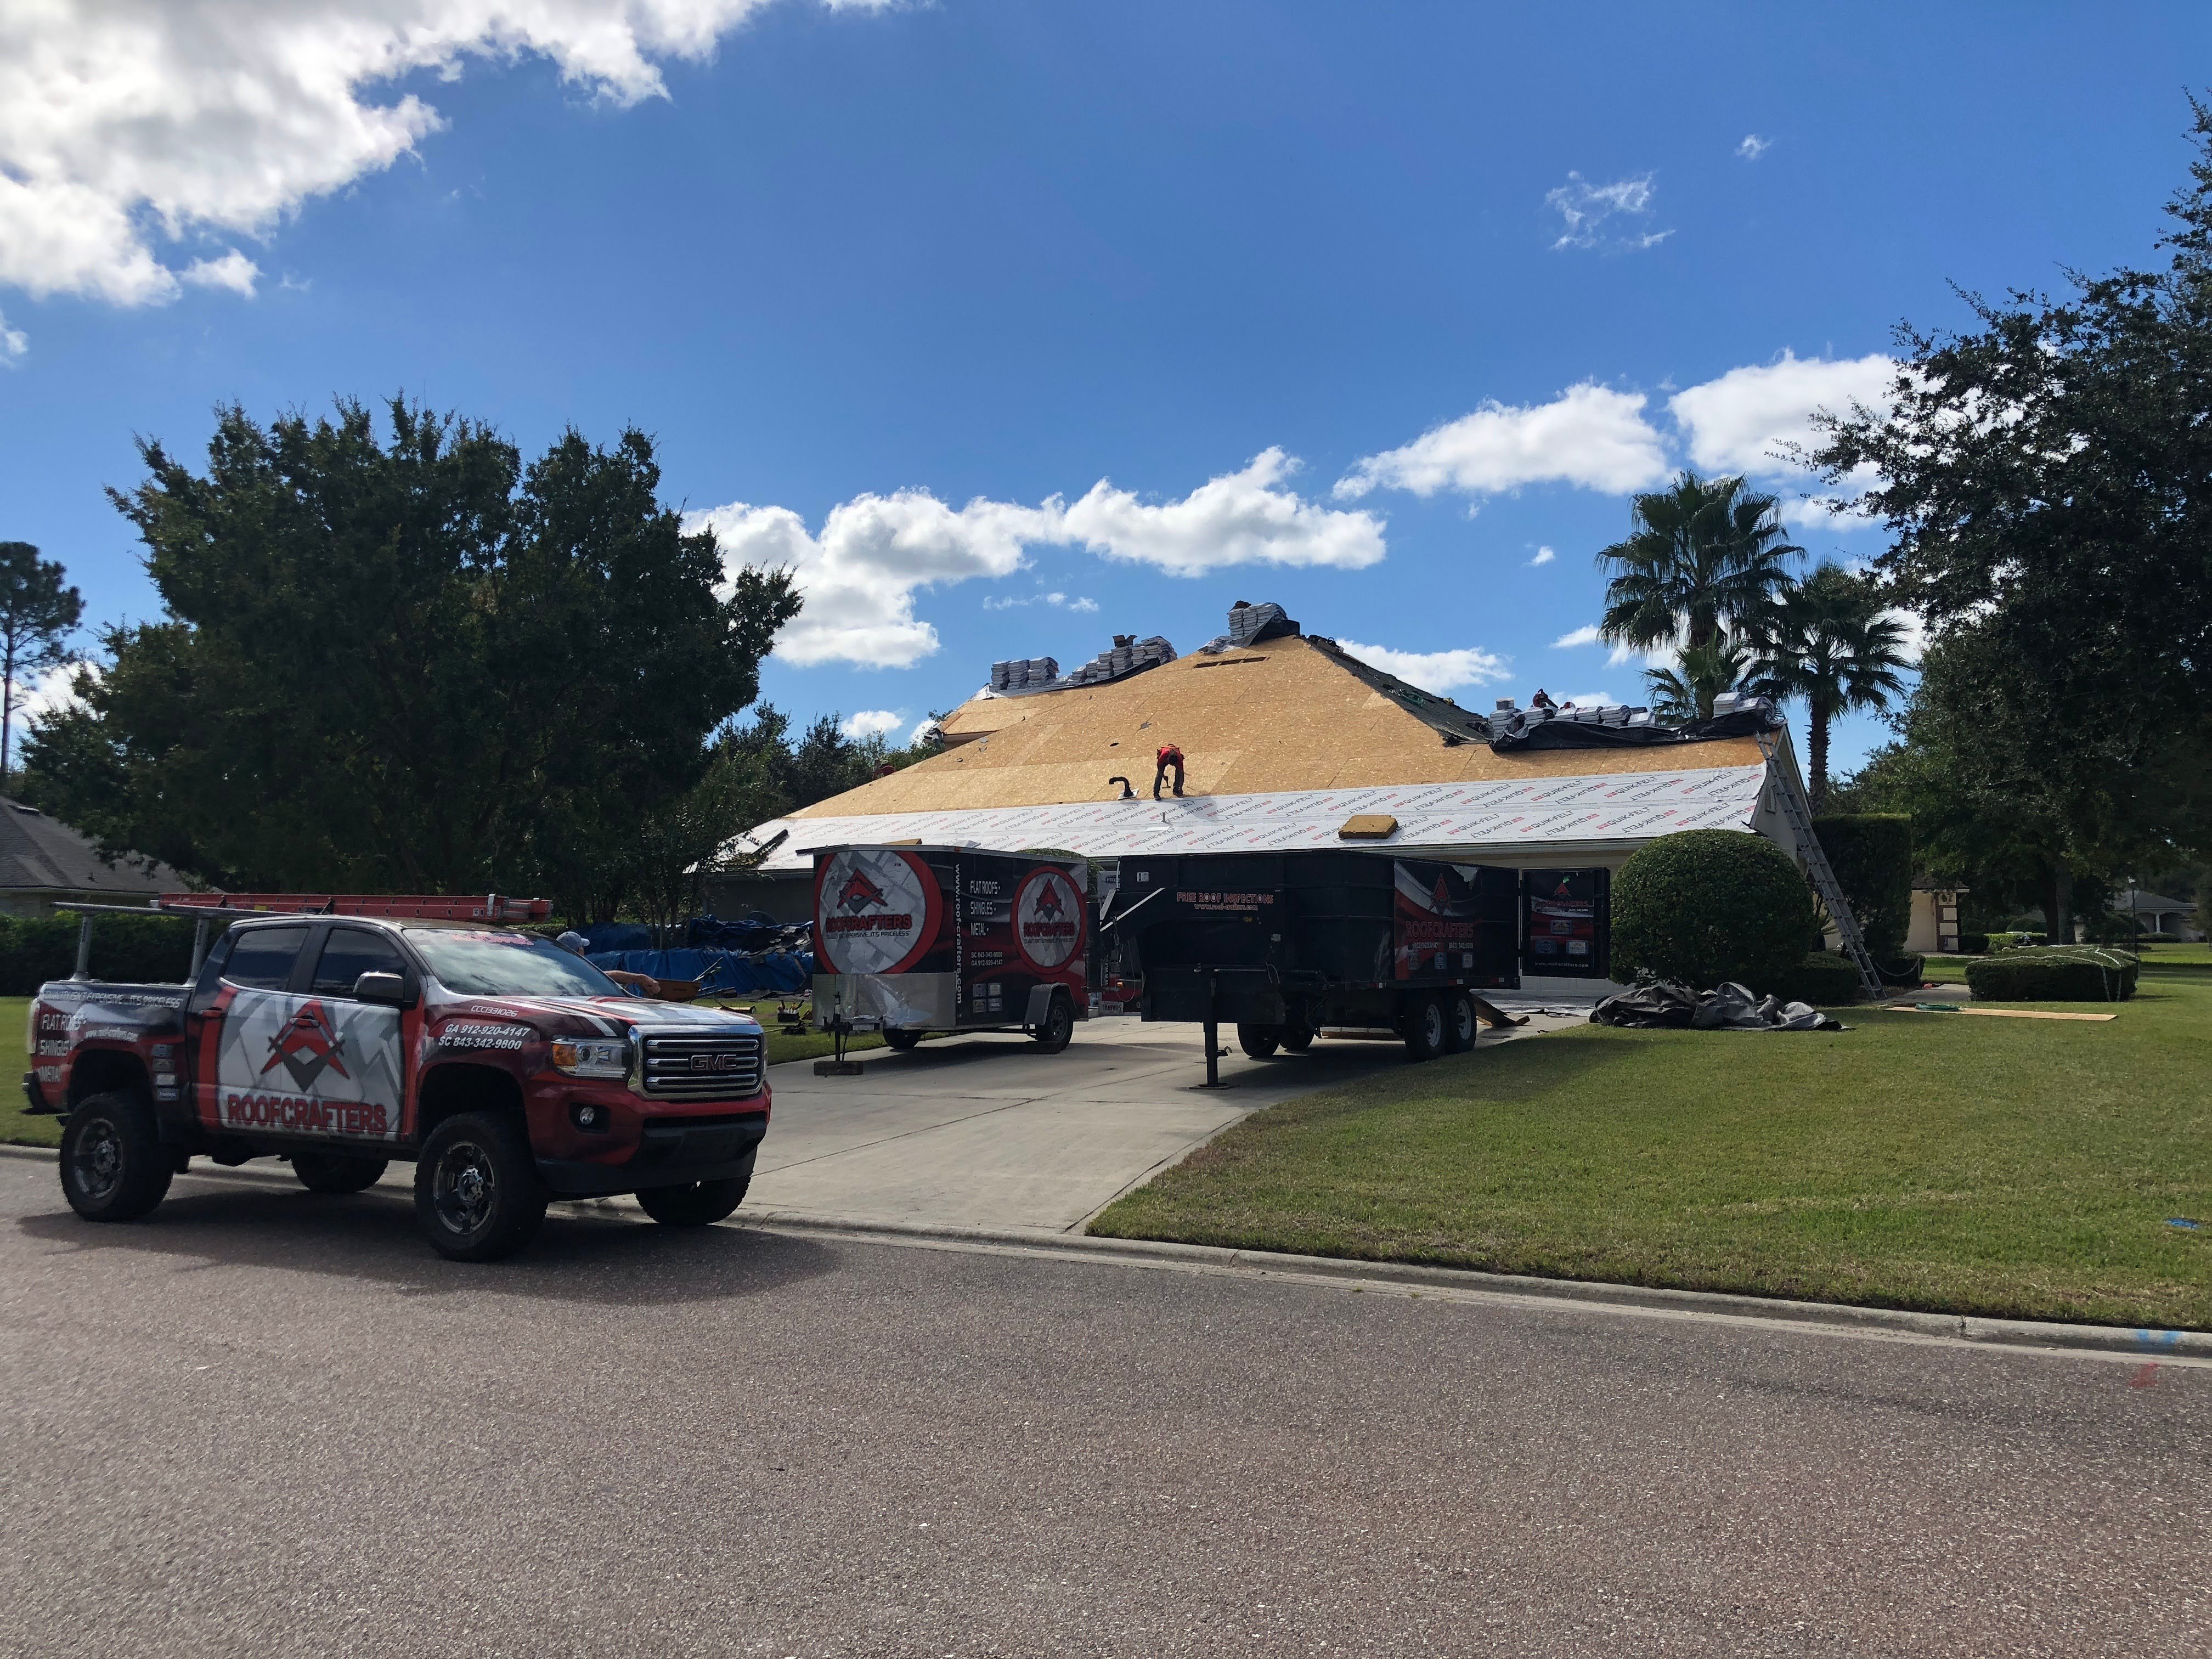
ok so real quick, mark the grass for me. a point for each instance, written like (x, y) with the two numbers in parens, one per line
(18, 1128)
(2009, 1168)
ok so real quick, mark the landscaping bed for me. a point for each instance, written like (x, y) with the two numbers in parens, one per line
(2009, 1168)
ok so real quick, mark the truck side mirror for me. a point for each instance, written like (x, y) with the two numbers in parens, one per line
(388, 990)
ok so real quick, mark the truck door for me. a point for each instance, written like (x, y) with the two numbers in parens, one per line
(288, 1061)
(1567, 923)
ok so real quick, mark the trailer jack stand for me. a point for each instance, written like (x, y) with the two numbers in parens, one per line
(1214, 1052)
(837, 1064)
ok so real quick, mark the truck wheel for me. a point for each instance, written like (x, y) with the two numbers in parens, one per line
(902, 1040)
(1426, 1030)
(698, 1204)
(114, 1165)
(1059, 1027)
(337, 1172)
(1258, 1041)
(476, 1191)
(1461, 1025)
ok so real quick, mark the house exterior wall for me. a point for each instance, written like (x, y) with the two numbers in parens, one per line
(1934, 929)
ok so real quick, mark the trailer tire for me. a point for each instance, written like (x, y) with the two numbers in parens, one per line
(113, 1166)
(337, 1172)
(902, 1041)
(476, 1191)
(1297, 1036)
(1260, 1041)
(1427, 1028)
(1058, 1027)
(699, 1204)
(1461, 1025)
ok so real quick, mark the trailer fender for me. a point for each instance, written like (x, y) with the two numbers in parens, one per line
(1040, 1007)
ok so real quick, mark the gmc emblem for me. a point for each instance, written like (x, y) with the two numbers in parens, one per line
(714, 1062)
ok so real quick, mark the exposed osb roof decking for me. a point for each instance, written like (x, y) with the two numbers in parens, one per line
(1284, 715)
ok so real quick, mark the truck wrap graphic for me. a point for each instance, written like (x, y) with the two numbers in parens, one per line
(305, 1065)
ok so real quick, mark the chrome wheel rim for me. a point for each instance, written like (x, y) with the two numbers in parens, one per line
(1432, 1026)
(1463, 1024)
(465, 1188)
(96, 1164)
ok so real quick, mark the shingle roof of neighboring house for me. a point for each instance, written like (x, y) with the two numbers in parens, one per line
(40, 853)
(2151, 901)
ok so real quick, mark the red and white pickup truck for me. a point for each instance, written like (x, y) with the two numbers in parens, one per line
(508, 1070)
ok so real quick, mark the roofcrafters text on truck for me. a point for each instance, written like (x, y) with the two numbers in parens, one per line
(358, 1031)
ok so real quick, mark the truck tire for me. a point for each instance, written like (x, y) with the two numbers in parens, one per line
(699, 1204)
(337, 1172)
(114, 1165)
(476, 1191)
(1461, 1025)
(1059, 1026)
(904, 1042)
(1258, 1041)
(1426, 1027)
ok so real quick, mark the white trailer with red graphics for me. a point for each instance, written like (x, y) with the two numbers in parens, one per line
(916, 940)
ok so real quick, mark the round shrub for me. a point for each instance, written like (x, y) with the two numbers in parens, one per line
(1710, 905)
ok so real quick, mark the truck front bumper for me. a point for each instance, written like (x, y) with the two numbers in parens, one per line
(674, 1152)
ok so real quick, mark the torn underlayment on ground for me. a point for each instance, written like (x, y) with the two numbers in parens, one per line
(1728, 1008)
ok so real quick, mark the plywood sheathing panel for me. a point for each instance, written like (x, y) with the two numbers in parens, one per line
(1293, 717)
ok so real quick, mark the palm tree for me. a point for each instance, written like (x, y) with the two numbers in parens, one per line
(1700, 555)
(1686, 692)
(1828, 641)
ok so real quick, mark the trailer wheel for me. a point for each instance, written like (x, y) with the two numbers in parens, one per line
(336, 1172)
(1059, 1026)
(1297, 1036)
(1460, 1026)
(1258, 1041)
(1427, 1031)
(476, 1191)
(113, 1163)
(902, 1041)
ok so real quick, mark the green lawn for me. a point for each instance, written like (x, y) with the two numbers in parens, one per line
(2021, 1168)
(19, 1129)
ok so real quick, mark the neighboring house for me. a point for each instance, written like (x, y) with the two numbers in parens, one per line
(2157, 914)
(1934, 929)
(44, 862)
(1287, 738)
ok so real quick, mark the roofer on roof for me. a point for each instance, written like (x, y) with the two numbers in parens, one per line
(1170, 755)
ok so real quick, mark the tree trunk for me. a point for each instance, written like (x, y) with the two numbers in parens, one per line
(7, 710)
(2057, 901)
(1816, 752)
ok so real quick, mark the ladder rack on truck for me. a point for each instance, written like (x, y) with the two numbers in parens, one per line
(204, 906)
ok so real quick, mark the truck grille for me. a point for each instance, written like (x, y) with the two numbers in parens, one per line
(703, 1066)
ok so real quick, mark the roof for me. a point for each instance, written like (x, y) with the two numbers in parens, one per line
(42, 853)
(2124, 902)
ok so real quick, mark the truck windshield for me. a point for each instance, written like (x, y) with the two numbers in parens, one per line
(488, 964)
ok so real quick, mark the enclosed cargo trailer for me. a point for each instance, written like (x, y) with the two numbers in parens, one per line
(915, 939)
(1284, 945)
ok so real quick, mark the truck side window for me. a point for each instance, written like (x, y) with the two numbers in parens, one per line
(262, 959)
(211, 969)
(347, 954)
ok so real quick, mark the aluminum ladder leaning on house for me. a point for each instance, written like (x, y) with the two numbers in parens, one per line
(1798, 812)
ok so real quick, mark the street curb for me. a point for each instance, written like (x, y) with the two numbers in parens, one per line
(2154, 1345)
(1960, 1328)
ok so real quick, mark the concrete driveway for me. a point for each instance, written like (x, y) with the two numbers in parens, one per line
(985, 1132)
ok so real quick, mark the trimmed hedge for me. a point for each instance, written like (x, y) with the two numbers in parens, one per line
(1706, 906)
(2064, 973)
(1973, 944)
(1871, 854)
(148, 950)
(1824, 980)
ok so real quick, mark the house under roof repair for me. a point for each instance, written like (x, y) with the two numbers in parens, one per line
(1289, 741)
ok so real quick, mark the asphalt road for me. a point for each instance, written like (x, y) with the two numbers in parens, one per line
(267, 1423)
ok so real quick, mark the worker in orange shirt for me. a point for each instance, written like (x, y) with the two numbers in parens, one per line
(1169, 757)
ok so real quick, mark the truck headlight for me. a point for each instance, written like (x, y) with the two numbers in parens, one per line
(591, 1057)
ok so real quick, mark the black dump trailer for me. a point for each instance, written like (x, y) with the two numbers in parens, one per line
(1283, 945)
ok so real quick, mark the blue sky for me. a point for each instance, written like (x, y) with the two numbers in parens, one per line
(1417, 287)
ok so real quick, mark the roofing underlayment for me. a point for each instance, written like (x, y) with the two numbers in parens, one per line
(1284, 739)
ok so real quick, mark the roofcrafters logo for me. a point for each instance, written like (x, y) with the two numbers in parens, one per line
(877, 910)
(306, 1046)
(1049, 917)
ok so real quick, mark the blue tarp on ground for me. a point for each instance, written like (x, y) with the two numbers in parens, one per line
(770, 972)
(615, 936)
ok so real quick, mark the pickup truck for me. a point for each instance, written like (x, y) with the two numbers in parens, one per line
(509, 1070)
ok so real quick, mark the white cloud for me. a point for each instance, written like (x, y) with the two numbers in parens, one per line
(129, 122)
(1740, 422)
(922, 728)
(1592, 700)
(871, 723)
(1544, 555)
(1440, 671)
(1914, 645)
(1587, 635)
(1239, 518)
(1586, 210)
(1058, 601)
(1753, 147)
(234, 272)
(13, 343)
(860, 574)
(1589, 435)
